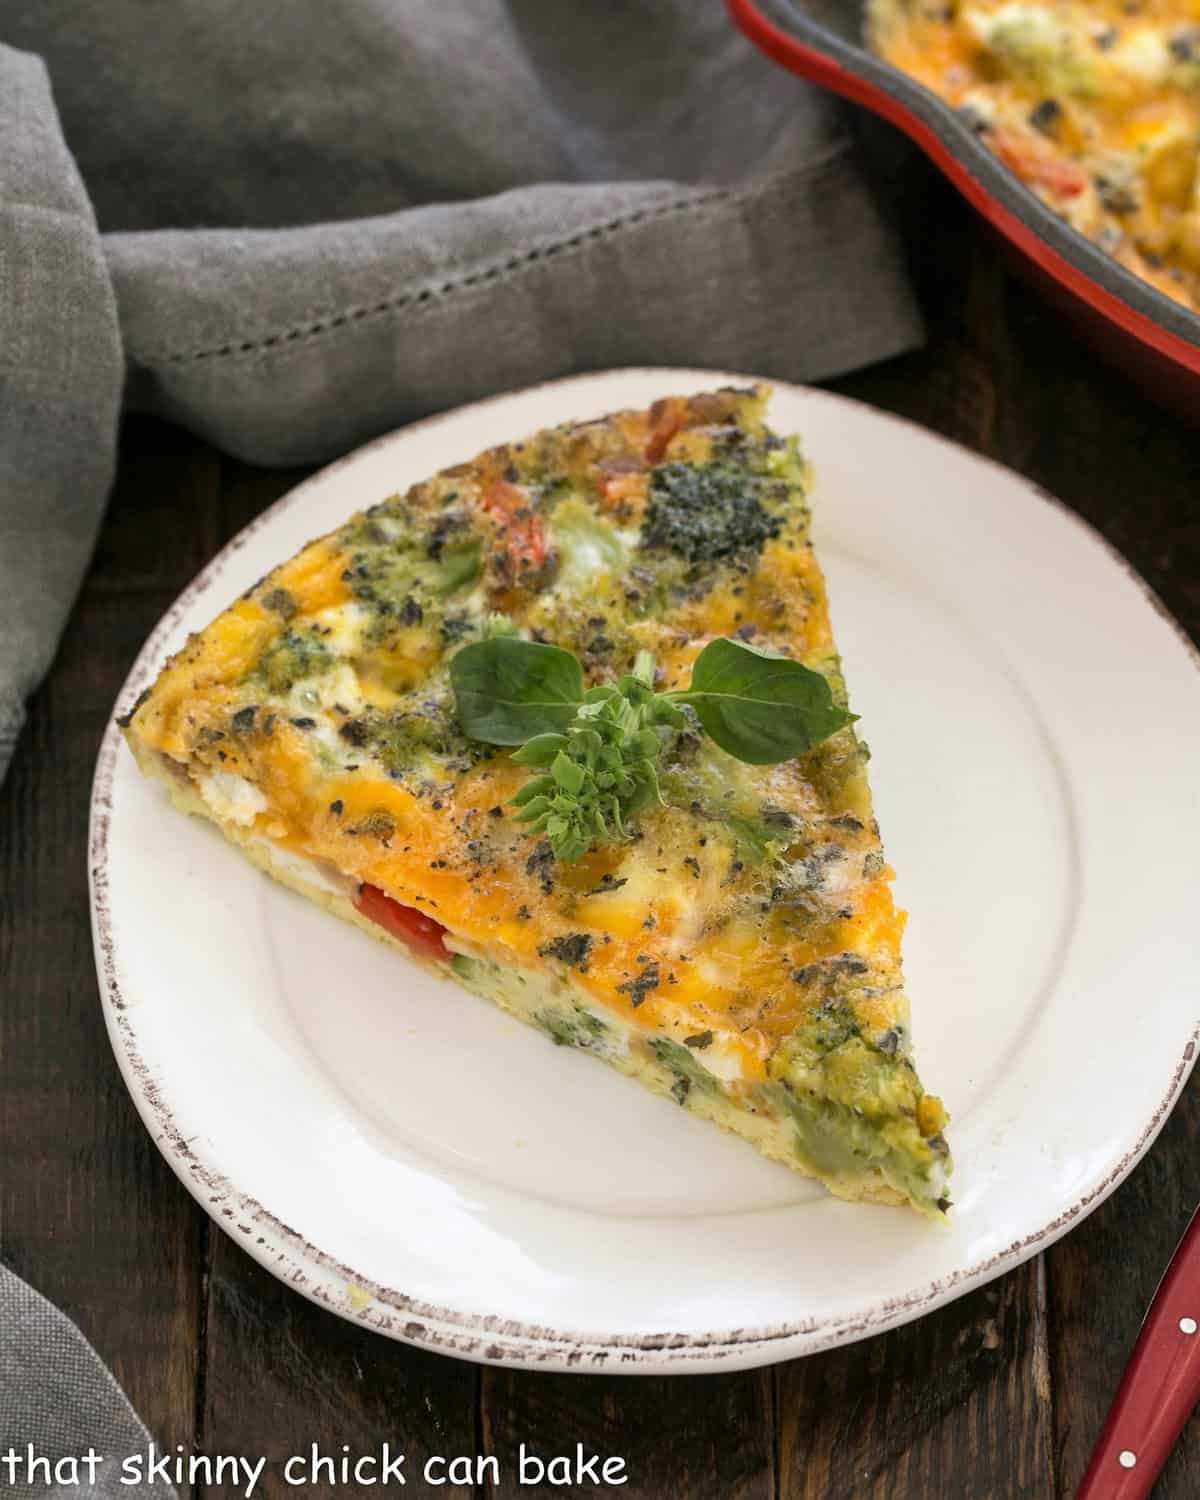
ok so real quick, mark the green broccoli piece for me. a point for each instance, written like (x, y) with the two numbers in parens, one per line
(704, 513)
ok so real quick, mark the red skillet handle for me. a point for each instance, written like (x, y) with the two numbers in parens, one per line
(1160, 1386)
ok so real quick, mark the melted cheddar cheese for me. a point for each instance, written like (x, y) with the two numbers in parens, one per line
(743, 945)
(1096, 106)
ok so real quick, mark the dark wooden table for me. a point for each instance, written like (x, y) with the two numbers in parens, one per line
(998, 1395)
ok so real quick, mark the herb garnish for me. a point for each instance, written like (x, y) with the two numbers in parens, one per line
(760, 708)
(509, 690)
(598, 749)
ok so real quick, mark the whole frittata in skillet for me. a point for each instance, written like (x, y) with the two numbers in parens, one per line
(567, 723)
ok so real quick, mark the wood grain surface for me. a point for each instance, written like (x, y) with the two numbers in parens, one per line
(995, 1397)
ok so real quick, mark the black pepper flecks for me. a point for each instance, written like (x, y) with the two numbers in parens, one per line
(639, 987)
(839, 963)
(571, 948)
(1116, 195)
(355, 731)
(1045, 115)
(455, 627)
(124, 720)
(776, 817)
(541, 864)
(379, 824)
(280, 602)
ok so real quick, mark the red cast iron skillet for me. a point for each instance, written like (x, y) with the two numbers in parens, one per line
(1155, 340)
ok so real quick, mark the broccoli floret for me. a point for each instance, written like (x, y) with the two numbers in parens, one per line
(1031, 42)
(572, 1027)
(418, 725)
(689, 1073)
(707, 512)
(290, 658)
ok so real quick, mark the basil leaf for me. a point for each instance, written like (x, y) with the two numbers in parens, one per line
(540, 750)
(760, 708)
(508, 690)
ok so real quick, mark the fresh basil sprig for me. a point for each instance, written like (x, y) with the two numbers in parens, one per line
(602, 769)
(598, 750)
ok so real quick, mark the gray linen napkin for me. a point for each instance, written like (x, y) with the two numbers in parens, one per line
(293, 227)
(60, 383)
(57, 1398)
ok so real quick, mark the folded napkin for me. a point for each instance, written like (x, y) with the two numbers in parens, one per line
(58, 1404)
(292, 228)
(60, 383)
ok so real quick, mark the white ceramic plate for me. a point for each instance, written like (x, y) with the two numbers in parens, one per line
(418, 1162)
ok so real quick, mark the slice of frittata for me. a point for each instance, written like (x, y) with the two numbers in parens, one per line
(733, 942)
